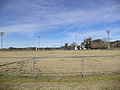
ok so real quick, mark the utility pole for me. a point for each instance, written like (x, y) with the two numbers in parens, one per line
(1, 34)
(108, 40)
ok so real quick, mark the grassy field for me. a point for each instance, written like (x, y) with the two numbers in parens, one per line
(101, 73)
(58, 53)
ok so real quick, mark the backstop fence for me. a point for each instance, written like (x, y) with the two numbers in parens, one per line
(59, 66)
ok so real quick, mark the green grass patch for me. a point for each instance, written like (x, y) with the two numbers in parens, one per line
(5, 78)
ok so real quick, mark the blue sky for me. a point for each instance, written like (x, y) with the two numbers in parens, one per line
(57, 21)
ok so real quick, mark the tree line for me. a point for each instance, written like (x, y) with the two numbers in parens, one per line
(89, 43)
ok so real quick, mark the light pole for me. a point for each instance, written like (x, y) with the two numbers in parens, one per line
(76, 42)
(108, 40)
(76, 39)
(38, 42)
(1, 34)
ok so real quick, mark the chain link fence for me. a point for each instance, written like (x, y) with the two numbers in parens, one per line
(72, 66)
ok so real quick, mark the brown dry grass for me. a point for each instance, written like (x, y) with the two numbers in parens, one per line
(58, 53)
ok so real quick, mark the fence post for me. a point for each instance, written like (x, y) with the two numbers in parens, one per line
(82, 67)
(33, 66)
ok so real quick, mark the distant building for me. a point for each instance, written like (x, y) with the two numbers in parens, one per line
(76, 48)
